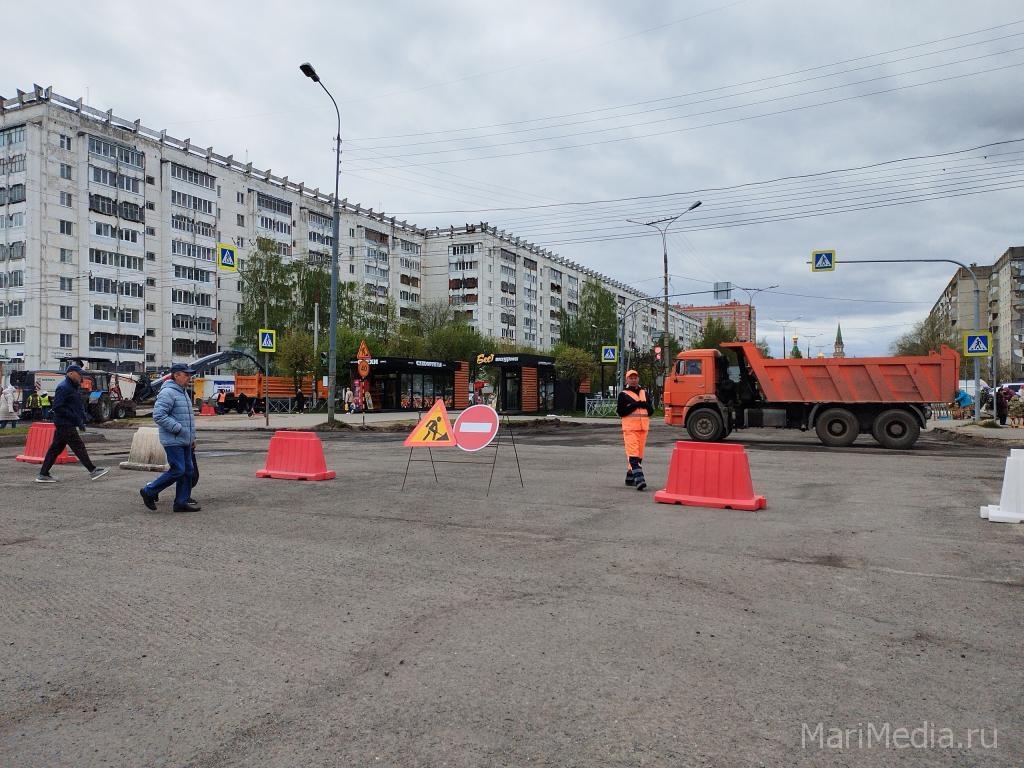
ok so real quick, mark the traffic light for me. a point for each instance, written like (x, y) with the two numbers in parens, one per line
(323, 359)
(657, 354)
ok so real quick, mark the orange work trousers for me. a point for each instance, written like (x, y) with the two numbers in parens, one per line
(634, 435)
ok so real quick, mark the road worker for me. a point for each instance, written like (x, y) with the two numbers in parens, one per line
(635, 409)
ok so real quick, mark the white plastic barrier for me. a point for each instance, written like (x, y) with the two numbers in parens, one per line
(1011, 501)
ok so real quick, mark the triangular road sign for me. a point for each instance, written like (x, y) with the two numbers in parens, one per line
(433, 431)
(364, 351)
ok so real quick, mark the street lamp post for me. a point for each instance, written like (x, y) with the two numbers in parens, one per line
(784, 324)
(810, 336)
(332, 361)
(751, 293)
(663, 230)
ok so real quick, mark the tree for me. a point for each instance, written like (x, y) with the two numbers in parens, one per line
(294, 355)
(927, 335)
(266, 282)
(714, 333)
(457, 341)
(573, 365)
(762, 346)
(595, 323)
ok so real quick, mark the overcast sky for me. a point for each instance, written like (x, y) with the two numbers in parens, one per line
(456, 112)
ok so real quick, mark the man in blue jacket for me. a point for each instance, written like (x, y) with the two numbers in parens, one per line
(68, 413)
(174, 416)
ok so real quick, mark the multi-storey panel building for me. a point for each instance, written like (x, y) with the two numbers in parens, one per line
(109, 234)
(742, 317)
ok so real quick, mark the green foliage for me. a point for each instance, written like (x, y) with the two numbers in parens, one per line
(762, 345)
(714, 333)
(595, 324)
(294, 355)
(456, 341)
(266, 282)
(573, 364)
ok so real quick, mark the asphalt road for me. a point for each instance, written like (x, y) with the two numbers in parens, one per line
(570, 622)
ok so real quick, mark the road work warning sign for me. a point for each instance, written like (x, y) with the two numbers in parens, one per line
(433, 431)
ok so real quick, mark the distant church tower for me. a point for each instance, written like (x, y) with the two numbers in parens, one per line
(839, 342)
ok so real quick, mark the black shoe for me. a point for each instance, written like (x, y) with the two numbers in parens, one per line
(148, 500)
(190, 507)
(193, 501)
(639, 480)
(629, 477)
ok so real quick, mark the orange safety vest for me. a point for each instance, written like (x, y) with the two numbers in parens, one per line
(640, 398)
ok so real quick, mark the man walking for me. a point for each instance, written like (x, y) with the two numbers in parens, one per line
(173, 414)
(68, 415)
(635, 409)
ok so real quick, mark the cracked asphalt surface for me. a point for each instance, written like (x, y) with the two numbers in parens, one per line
(573, 622)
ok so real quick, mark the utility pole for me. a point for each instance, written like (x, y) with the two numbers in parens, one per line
(751, 293)
(785, 324)
(316, 345)
(663, 230)
(266, 355)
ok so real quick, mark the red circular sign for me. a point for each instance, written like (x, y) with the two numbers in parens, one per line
(476, 427)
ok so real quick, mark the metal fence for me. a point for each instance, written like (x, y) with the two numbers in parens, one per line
(600, 406)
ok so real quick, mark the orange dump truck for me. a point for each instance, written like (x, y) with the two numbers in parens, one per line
(839, 398)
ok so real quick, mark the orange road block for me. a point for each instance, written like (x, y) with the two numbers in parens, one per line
(40, 435)
(296, 456)
(710, 475)
(207, 410)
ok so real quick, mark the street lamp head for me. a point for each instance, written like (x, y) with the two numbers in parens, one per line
(308, 71)
(695, 205)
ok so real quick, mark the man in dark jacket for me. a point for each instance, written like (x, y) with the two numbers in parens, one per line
(68, 415)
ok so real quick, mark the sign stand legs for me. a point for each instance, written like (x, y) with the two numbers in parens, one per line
(515, 452)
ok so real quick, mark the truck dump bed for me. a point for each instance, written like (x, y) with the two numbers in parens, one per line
(931, 379)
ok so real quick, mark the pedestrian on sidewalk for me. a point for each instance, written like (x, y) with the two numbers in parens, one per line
(634, 408)
(68, 413)
(7, 412)
(175, 418)
(300, 400)
(1003, 396)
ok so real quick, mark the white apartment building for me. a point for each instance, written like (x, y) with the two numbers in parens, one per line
(109, 234)
(1001, 309)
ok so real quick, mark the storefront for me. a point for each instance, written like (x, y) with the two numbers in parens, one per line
(524, 383)
(407, 384)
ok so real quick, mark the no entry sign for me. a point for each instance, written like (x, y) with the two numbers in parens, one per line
(476, 427)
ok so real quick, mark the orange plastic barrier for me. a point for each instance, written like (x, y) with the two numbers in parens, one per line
(710, 475)
(296, 456)
(207, 410)
(40, 435)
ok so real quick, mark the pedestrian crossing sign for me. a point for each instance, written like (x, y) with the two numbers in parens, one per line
(433, 431)
(268, 340)
(226, 258)
(977, 344)
(823, 261)
(609, 354)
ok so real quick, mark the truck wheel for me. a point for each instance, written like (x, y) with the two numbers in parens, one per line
(895, 429)
(120, 412)
(705, 426)
(837, 428)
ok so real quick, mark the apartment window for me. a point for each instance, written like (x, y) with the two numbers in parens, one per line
(239, 241)
(116, 152)
(151, 332)
(151, 231)
(67, 283)
(274, 204)
(65, 199)
(65, 142)
(151, 282)
(67, 312)
(150, 256)
(151, 307)
(12, 309)
(240, 220)
(66, 340)
(66, 256)
(66, 227)
(13, 135)
(12, 335)
(15, 279)
(192, 176)
(192, 202)
(240, 198)
(150, 206)
(65, 171)
(150, 180)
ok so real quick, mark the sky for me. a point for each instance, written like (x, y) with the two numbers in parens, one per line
(881, 130)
